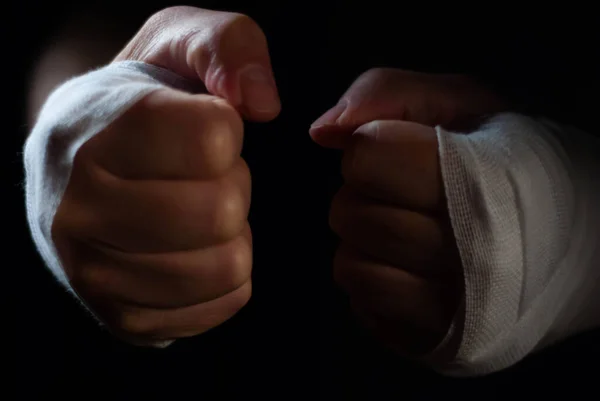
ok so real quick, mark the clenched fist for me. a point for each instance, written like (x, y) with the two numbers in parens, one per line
(152, 229)
(397, 259)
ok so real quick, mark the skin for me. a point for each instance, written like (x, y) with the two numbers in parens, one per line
(151, 261)
(397, 259)
(154, 264)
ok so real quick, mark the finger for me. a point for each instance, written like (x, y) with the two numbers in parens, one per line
(399, 237)
(154, 216)
(397, 162)
(130, 321)
(169, 135)
(403, 337)
(166, 280)
(394, 94)
(404, 304)
(228, 52)
(394, 292)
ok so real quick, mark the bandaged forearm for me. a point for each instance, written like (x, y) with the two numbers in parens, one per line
(75, 112)
(525, 209)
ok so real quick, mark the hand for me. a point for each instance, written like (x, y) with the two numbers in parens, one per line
(397, 259)
(228, 52)
(152, 230)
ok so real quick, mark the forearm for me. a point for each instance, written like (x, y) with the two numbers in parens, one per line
(522, 197)
(578, 283)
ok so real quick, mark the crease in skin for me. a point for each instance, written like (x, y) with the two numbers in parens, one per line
(130, 302)
(108, 173)
(98, 243)
(152, 82)
(117, 248)
(104, 246)
(233, 205)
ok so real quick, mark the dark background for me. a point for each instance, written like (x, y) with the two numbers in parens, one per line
(295, 339)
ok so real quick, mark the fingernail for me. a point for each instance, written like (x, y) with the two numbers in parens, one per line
(331, 116)
(258, 91)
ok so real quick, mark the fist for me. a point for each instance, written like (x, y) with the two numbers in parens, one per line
(152, 229)
(397, 259)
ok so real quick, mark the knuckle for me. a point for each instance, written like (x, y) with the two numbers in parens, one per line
(235, 33)
(235, 18)
(168, 13)
(228, 117)
(377, 73)
(230, 211)
(361, 152)
(238, 264)
(226, 112)
(154, 30)
(240, 26)
(160, 16)
(222, 137)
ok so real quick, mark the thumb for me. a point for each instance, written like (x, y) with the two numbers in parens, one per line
(226, 52)
(393, 94)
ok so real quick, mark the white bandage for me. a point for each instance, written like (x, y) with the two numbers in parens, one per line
(523, 201)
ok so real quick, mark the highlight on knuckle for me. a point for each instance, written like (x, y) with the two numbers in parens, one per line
(221, 139)
(237, 264)
(378, 76)
(169, 13)
(230, 211)
(241, 26)
(376, 72)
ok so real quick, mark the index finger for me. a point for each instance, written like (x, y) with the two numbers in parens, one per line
(396, 162)
(170, 135)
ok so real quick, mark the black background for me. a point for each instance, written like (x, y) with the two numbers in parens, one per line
(295, 338)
